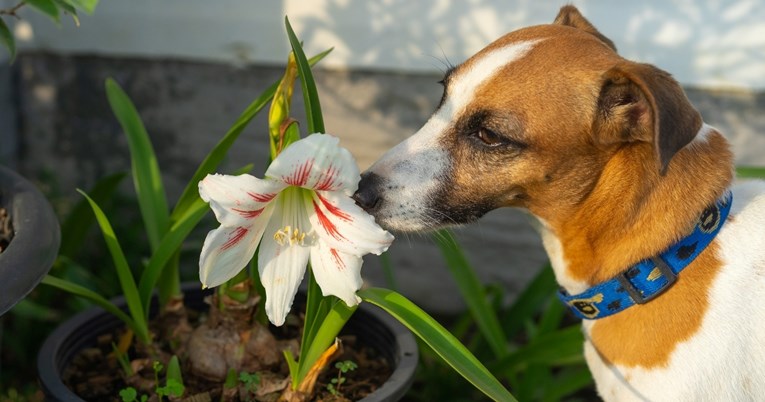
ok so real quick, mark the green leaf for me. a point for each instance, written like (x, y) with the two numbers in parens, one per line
(214, 158)
(314, 301)
(528, 302)
(316, 309)
(231, 379)
(472, 292)
(310, 94)
(390, 275)
(6, 37)
(129, 289)
(292, 365)
(552, 316)
(174, 370)
(94, 297)
(68, 8)
(89, 6)
(35, 311)
(47, 7)
(333, 322)
(750, 172)
(167, 247)
(80, 219)
(128, 394)
(568, 382)
(439, 339)
(146, 175)
(559, 347)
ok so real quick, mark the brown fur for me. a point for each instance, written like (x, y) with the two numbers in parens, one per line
(645, 336)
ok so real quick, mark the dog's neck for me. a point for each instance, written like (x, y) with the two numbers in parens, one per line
(633, 212)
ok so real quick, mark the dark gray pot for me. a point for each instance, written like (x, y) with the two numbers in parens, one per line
(372, 326)
(36, 239)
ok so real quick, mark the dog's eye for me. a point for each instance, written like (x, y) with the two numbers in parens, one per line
(488, 137)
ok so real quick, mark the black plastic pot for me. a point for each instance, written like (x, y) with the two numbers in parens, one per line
(373, 327)
(35, 242)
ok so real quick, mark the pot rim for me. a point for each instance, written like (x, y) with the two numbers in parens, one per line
(35, 242)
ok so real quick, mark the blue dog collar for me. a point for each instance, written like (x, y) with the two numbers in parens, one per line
(649, 278)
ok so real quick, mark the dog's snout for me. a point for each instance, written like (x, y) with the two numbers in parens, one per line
(368, 196)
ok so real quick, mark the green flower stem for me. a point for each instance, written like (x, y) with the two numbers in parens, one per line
(333, 322)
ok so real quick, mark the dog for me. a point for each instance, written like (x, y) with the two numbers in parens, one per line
(618, 168)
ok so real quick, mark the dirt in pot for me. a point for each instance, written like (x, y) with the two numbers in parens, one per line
(208, 346)
(6, 229)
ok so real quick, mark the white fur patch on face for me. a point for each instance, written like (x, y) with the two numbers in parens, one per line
(415, 170)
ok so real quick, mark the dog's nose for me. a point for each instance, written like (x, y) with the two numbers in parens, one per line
(368, 194)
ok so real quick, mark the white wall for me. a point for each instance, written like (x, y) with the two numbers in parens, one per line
(708, 43)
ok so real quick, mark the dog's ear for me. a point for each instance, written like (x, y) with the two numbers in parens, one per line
(639, 102)
(570, 16)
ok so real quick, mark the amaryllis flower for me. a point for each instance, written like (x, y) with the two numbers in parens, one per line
(301, 210)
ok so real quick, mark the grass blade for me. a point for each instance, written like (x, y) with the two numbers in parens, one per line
(129, 289)
(310, 94)
(472, 292)
(6, 37)
(529, 301)
(80, 219)
(750, 172)
(146, 174)
(94, 297)
(439, 339)
(567, 382)
(557, 347)
(167, 248)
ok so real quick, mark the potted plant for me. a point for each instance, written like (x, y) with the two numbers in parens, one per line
(161, 344)
(29, 237)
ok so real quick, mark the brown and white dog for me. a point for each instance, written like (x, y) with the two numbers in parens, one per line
(616, 165)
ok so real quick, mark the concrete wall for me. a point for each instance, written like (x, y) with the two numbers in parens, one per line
(192, 66)
(704, 43)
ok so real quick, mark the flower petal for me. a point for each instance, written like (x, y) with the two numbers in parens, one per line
(316, 162)
(226, 251)
(337, 273)
(237, 200)
(343, 225)
(282, 259)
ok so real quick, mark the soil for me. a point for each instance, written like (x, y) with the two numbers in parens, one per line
(6, 229)
(96, 375)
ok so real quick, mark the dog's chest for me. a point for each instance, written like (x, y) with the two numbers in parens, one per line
(724, 359)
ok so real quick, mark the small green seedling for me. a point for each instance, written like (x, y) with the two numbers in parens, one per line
(129, 394)
(251, 381)
(173, 383)
(342, 367)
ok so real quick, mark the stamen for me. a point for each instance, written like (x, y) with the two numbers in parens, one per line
(290, 236)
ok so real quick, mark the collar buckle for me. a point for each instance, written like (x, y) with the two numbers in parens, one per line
(637, 295)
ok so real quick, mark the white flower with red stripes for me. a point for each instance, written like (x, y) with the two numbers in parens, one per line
(301, 210)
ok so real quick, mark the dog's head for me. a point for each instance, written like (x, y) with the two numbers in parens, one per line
(529, 121)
